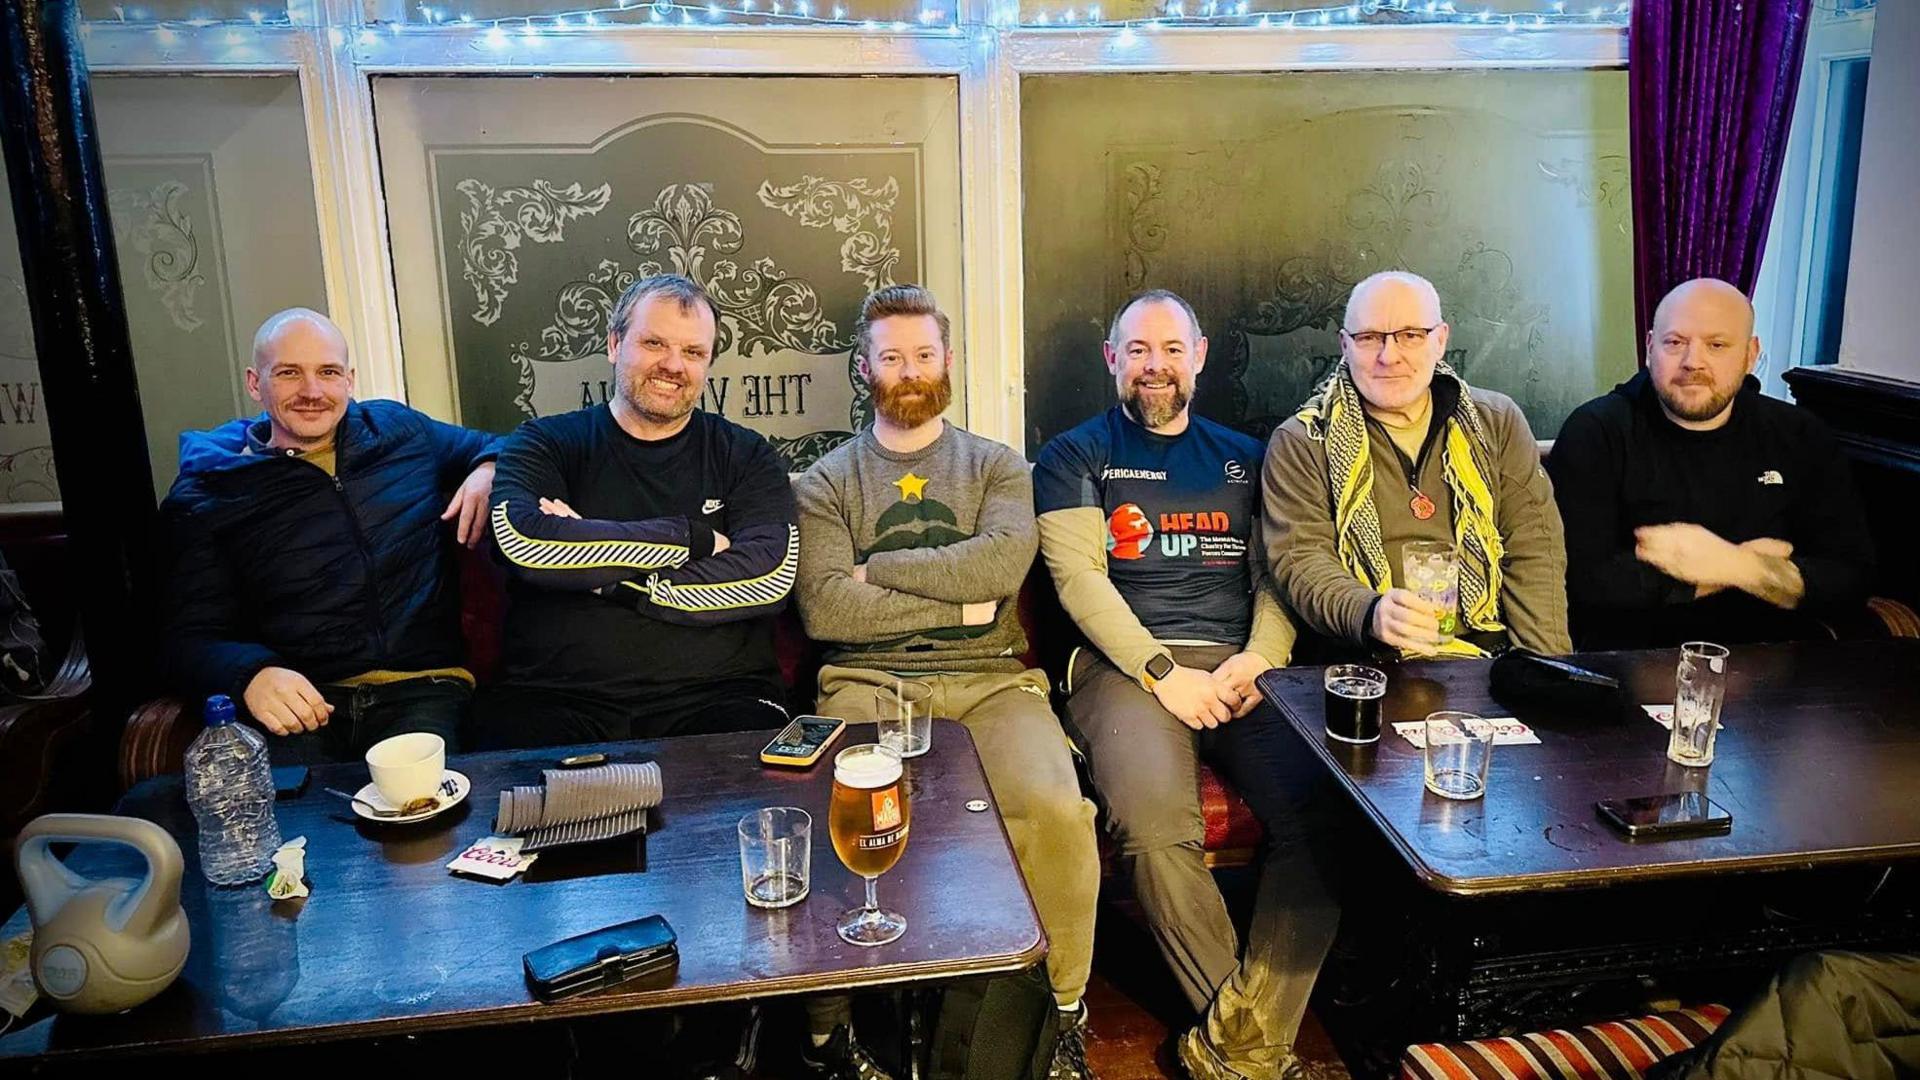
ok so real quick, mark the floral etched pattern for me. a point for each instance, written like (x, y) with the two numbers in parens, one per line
(855, 208)
(497, 222)
(156, 226)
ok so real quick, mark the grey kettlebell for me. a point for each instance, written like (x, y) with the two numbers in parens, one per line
(106, 944)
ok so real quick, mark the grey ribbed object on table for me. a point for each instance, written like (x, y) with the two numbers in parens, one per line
(579, 805)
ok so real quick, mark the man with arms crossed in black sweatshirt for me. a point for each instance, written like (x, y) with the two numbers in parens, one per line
(649, 545)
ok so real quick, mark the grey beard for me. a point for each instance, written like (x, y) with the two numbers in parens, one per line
(1153, 415)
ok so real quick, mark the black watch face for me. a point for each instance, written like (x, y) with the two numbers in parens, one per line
(1160, 667)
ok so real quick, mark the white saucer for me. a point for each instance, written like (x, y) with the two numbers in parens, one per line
(453, 790)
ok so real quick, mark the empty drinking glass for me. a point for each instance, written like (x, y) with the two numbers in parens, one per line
(903, 712)
(1432, 572)
(776, 853)
(1700, 685)
(1459, 750)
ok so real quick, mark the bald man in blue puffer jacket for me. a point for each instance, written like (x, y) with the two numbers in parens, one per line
(312, 579)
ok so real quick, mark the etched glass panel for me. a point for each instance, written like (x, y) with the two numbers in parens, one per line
(26, 444)
(212, 203)
(521, 207)
(1264, 198)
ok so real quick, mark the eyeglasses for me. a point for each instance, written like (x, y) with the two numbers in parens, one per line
(1371, 342)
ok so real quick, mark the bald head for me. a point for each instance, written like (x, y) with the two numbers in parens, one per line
(1389, 294)
(1394, 336)
(297, 328)
(1706, 298)
(1700, 350)
(301, 375)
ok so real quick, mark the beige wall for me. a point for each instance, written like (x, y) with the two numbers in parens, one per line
(1877, 334)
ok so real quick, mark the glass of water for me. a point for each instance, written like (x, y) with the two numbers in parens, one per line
(1459, 750)
(1700, 685)
(776, 855)
(1431, 569)
(903, 710)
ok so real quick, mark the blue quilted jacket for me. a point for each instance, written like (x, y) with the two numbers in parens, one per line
(275, 563)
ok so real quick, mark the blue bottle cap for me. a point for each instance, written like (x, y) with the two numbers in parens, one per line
(219, 710)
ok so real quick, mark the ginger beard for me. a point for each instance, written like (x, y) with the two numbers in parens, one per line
(908, 402)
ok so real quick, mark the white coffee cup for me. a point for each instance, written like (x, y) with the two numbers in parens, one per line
(407, 767)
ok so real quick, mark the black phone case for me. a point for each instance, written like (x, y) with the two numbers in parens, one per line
(602, 958)
(1666, 830)
(290, 780)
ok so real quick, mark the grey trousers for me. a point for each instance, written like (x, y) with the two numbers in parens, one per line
(1145, 768)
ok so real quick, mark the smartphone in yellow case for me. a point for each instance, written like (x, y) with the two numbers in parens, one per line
(801, 743)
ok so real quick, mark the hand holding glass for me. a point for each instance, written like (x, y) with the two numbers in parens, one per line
(1431, 569)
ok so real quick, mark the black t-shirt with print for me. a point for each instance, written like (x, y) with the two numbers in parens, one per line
(1180, 509)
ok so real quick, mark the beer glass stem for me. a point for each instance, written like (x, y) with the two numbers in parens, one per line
(873, 901)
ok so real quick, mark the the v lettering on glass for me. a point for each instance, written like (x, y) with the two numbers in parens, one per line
(26, 452)
(783, 243)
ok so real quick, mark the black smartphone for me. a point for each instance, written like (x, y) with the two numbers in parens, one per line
(602, 958)
(289, 781)
(1662, 817)
(801, 743)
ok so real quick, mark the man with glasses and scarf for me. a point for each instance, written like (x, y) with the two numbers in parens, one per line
(1395, 447)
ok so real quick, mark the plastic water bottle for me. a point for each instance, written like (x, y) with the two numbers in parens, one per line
(230, 788)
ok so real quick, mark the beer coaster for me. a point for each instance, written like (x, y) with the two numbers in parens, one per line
(1660, 714)
(1506, 732)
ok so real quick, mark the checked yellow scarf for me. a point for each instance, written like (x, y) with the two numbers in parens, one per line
(1334, 414)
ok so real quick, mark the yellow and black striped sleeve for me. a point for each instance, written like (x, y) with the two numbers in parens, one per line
(559, 552)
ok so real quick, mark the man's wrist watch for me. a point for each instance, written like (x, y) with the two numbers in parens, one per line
(1156, 669)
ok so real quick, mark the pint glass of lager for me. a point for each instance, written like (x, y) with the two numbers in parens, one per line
(868, 822)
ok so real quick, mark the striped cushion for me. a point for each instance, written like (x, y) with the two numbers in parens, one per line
(1615, 1050)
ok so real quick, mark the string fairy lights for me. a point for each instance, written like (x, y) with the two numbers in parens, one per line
(500, 32)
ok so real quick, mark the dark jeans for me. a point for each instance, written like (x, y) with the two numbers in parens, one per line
(363, 715)
(514, 717)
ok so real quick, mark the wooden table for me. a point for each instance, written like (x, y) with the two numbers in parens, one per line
(1817, 761)
(1528, 904)
(391, 942)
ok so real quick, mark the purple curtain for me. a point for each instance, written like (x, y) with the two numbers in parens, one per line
(1711, 86)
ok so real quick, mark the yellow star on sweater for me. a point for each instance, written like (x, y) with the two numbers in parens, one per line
(911, 487)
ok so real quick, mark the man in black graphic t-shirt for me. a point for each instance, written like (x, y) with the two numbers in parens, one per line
(649, 544)
(1149, 523)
